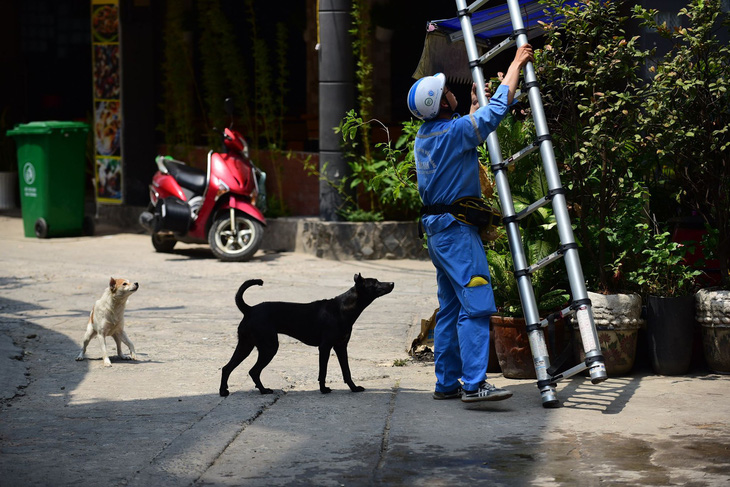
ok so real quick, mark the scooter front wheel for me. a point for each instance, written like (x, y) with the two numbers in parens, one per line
(163, 244)
(237, 243)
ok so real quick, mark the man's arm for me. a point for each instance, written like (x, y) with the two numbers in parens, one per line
(475, 100)
(483, 120)
(512, 78)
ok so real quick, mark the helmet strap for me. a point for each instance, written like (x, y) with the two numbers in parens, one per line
(446, 109)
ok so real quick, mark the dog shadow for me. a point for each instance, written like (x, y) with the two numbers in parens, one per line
(115, 360)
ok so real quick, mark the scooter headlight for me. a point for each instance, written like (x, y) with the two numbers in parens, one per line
(245, 147)
(222, 189)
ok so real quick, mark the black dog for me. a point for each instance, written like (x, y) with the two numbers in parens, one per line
(326, 324)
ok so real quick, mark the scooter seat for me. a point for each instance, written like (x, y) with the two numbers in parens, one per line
(188, 177)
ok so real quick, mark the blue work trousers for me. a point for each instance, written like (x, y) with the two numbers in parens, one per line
(461, 334)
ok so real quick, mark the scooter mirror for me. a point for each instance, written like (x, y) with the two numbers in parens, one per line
(228, 106)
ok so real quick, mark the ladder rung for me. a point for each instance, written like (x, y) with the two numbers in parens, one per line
(523, 153)
(560, 314)
(570, 372)
(549, 259)
(499, 48)
(545, 261)
(532, 208)
(476, 5)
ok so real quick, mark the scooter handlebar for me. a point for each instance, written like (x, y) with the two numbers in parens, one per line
(159, 160)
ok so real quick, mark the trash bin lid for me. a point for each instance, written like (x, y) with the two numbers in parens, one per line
(47, 127)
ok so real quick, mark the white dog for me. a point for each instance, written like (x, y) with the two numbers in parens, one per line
(107, 318)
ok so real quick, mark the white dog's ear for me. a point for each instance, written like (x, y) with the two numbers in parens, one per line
(112, 283)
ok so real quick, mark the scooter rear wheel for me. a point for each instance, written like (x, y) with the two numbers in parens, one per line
(235, 245)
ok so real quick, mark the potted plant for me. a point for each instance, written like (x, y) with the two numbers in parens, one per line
(687, 118)
(669, 285)
(591, 85)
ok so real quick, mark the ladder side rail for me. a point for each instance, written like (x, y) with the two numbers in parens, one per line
(527, 294)
(540, 354)
(572, 260)
(524, 283)
(565, 231)
(560, 208)
(514, 238)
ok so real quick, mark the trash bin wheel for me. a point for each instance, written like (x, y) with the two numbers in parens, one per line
(88, 226)
(41, 228)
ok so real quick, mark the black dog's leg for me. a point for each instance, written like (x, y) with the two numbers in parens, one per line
(324, 357)
(341, 351)
(243, 349)
(267, 350)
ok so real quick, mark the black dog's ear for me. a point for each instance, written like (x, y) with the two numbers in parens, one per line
(358, 277)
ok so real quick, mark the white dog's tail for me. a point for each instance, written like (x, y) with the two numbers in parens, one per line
(239, 295)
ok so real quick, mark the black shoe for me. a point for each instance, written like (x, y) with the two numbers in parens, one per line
(455, 394)
(486, 392)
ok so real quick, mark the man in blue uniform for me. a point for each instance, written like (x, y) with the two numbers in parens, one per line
(447, 168)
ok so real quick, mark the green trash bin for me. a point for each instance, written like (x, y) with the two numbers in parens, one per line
(52, 173)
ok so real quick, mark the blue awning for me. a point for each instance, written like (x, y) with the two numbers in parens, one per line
(495, 21)
(444, 51)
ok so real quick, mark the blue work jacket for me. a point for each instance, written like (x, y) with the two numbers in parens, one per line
(446, 156)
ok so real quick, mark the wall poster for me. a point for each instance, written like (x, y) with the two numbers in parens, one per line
(106, 67)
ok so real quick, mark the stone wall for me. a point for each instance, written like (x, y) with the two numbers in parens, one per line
(345, 240)
(328, 240)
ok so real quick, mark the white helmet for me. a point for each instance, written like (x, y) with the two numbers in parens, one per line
(424, 96)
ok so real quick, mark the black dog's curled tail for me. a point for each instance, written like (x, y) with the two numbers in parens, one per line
(239, 295)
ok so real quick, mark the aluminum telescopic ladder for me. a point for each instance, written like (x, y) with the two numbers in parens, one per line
(581, 304)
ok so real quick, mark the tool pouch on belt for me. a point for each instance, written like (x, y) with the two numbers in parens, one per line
(473, 211)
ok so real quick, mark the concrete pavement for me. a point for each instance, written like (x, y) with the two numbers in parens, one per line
(159, 421)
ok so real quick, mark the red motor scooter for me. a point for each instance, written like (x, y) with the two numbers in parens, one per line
(222, 206)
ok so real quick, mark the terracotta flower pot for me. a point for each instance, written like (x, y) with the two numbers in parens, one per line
(513, 346)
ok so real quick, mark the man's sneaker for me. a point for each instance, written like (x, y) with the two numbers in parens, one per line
(455, 394)
(486, 392)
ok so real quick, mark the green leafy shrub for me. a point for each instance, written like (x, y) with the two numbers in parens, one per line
(662, 270)
(591, 87)
(687, 115)
(387, 178)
